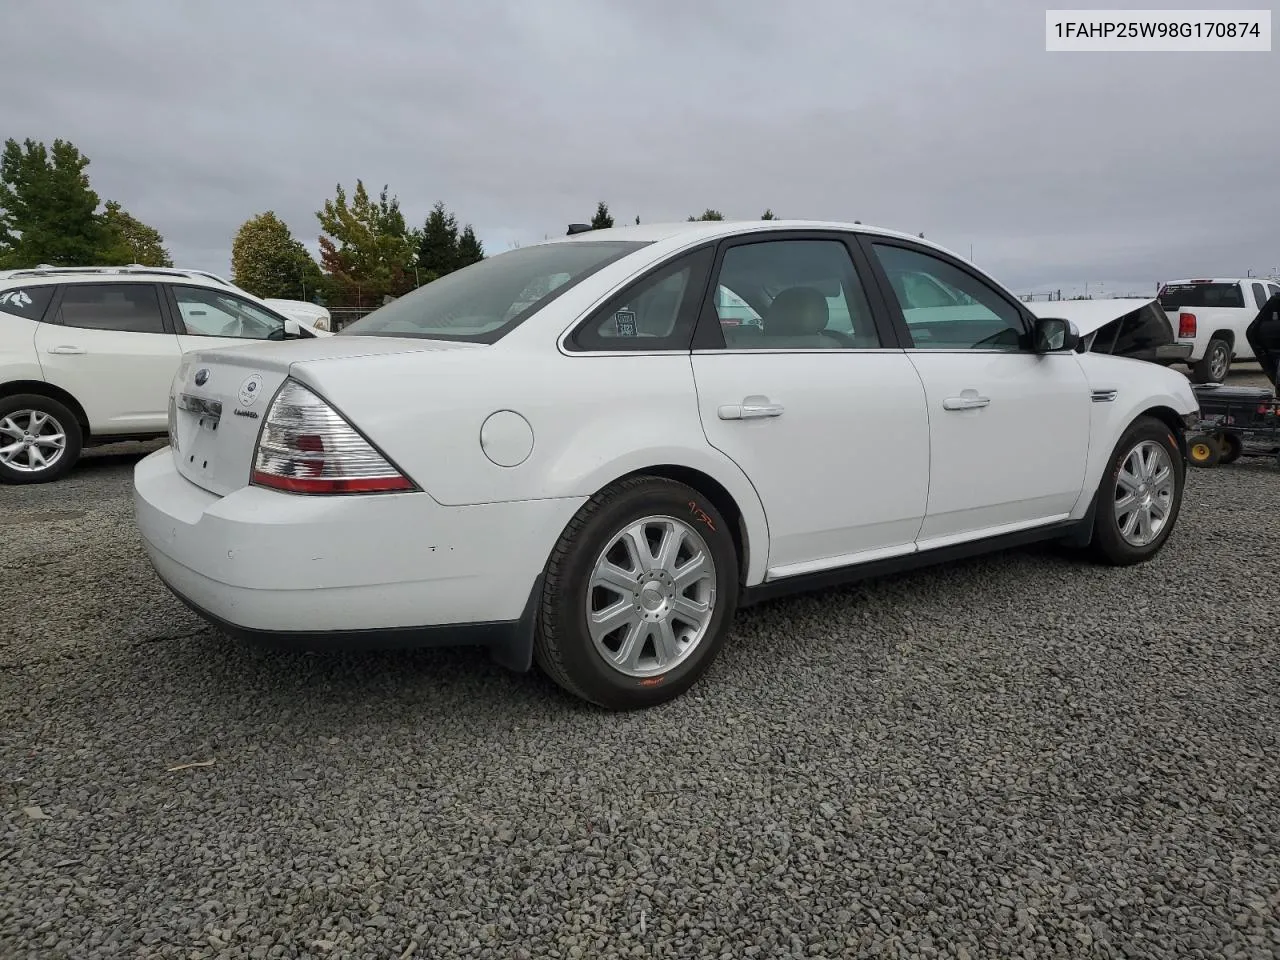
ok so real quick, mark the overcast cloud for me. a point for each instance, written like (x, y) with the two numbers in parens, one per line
(921, 115)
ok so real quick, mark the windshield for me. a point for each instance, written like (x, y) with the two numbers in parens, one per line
(482, 302)
(1177, 295)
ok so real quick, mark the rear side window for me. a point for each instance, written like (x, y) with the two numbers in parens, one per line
(122, 307)
(26, 302)
(1205, 295)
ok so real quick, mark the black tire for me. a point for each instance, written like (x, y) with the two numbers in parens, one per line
(1214, 354)
(1203, 450)
(1109, 544)
(1231, 447)
(563, 647)
(16, 407)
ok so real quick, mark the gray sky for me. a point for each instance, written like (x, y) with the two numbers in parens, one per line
(920, 115)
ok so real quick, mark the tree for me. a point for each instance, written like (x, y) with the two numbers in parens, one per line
(603, 219)
(129, 240)
(470, 249)
(48, 212)
(709, 214)
(438, 244)
(366, 248)
(268, 261)
(768, 215)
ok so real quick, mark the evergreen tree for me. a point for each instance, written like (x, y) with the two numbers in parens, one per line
(48, 211)
(603, 220)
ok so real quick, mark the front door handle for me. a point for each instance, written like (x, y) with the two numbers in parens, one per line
(752, 408)
(968, 400)
(66, 349)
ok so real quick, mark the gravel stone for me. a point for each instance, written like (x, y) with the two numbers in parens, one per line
(1016, 756)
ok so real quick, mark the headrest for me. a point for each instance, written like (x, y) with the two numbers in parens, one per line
(796, 312)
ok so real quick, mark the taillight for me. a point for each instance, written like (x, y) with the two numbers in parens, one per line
(307, 447)
(1186, 325)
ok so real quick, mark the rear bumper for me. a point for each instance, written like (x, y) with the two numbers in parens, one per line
(362, 571)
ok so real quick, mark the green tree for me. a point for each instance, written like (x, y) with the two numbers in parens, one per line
(437, 244)
(470, 249)
(129, 240)
(768, 215)
(603, 219)
(48, 211)
(268, 261)
(366, 248)
(709, 214)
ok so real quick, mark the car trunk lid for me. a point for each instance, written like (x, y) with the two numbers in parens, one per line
(220, 398)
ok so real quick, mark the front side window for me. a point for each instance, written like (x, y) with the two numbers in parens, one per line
(26, 302)
(482, 302)
(212, 313)
(947, 308)
(121, 307)
(1272, 289)
(793, 295)
(1259, 294)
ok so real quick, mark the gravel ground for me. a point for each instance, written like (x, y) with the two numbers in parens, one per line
(1019, 756)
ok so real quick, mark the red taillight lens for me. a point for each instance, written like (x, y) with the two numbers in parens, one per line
(307, 447)
(1186, 325)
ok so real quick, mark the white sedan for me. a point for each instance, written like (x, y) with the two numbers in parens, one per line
(565, 454)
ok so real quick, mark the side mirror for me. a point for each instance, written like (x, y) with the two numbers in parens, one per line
(291, 331)
(1054, 335)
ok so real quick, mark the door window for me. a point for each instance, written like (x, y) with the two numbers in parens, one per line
(212, 313)
(1259, 294)
(26, 302)
(947, 308)
(793, 295)
(121, 307)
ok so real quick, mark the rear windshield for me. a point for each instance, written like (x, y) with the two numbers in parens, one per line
(483, 302)
(1177, 295)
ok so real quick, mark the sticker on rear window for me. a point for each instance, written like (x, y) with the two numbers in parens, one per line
(625, 321)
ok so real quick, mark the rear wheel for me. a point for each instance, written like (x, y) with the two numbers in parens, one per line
(1231, 447)
(40, 439)
(1213, 366)
(640, 592)
(1140, 495)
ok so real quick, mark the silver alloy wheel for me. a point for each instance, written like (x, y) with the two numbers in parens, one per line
(1144, 493)
(31, 441)
(1219, 362)
(651, 596)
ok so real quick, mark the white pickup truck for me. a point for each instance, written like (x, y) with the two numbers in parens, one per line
(1212, 315)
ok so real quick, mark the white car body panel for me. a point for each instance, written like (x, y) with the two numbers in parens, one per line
(866, 461)
(856, 502)
(120, 379)
(1017, 461)
(19, 360)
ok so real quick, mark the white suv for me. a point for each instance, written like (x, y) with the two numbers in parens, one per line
(87, 355)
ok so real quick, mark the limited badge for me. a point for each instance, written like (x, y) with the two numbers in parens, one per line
(625, 321)
(250, 389)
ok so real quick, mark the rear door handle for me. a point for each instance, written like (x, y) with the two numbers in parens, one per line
(968, 400)
(752, 408)
(66, 349)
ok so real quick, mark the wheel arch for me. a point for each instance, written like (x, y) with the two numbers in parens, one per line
(12, 388)
(1171, 419)
(729, 490)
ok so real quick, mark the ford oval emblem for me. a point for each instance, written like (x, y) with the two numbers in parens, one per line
(202, 376)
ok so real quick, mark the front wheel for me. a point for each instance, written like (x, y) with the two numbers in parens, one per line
(1140, 494)
(640, 593)
(39, 439)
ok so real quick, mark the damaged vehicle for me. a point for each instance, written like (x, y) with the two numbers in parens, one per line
(1121, 326)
